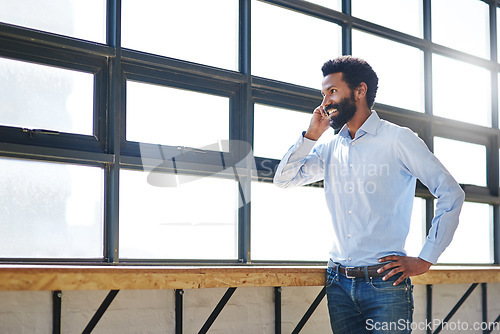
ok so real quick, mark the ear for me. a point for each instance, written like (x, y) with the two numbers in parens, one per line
(360, 92)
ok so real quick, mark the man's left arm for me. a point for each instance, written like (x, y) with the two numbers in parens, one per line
(421, 163)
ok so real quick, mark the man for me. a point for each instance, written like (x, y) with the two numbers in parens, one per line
(369, 171)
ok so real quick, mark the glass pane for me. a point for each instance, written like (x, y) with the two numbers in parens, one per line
(405, 16)
(196, 220)
(462, 25)
(283, 42)
(43, 97)
(74, 18)
(270, 143)
(449, 89)
(333, 4)
(195, 30)
(416, 236)
(170, 116)
(468, 166)
(285, 228)
(498, 32)
(474, 229)
(394, 63)
(51, 210)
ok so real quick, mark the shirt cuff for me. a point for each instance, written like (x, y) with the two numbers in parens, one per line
(430, 252)
(303, 146)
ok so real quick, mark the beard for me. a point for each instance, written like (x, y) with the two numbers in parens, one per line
(346, 109)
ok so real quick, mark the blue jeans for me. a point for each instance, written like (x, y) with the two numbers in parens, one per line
(368, 305)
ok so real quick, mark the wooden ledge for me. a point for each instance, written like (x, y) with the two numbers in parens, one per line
(50, 277)
(459, 275)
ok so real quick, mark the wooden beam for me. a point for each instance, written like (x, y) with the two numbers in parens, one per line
(459, 275)
(51, 277)
(133, 277)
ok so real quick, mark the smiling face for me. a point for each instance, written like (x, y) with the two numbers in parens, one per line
(338, 100)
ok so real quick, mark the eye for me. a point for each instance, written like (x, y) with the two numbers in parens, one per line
(333, 90)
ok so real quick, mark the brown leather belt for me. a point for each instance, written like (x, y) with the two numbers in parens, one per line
(361, 272)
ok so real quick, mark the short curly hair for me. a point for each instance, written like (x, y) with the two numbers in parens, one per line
(354, 71)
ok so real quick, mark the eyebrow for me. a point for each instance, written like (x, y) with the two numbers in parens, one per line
(328, 88)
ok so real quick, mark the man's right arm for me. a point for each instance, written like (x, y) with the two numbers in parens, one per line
(300, 166)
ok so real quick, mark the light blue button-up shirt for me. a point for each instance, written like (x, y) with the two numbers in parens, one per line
(369, 184)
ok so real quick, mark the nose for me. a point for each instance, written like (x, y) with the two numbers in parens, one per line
(325, 102)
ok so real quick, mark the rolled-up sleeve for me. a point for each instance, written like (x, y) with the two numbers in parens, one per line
(421, 163)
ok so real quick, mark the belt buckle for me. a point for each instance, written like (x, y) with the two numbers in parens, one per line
(347, 272)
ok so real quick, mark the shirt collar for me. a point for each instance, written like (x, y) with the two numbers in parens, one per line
(369, 126)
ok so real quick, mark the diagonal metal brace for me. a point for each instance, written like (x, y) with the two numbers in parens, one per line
(492, 326)
(100, 311)
(310, 311)
(456, 307)
(217, 311)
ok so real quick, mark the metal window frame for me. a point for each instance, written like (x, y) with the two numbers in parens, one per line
(112, 66)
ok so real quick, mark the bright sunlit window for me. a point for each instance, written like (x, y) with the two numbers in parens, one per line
(394, 64)
(290, 224)
(199, 31)
(462, 25)
(461, 91)
(142, 108)
(416, 236)
(176, 117)
(465, 161)
(333, 4)
(43, 97)
(498, 30)
(267, 142)
(291, 47)
(193, 220)
(473, 240)
(51, 210)
(404, 16)
(80, 19)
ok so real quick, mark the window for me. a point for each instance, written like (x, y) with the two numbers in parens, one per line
(465, 161)
(43, 97)
(394, 64)
(290, 124)
(416, 236)
(124, 143)
(475, 228)
(200, 31)
(196, 219)
(466, 30)
(290, 224)
(404, 16)
(498, 29)
(291, 47)
(80, 19)
(51, 210)
(176, 117)
(333, 4)
(461, 91)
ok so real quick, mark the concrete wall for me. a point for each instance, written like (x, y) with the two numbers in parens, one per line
(249, 311)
